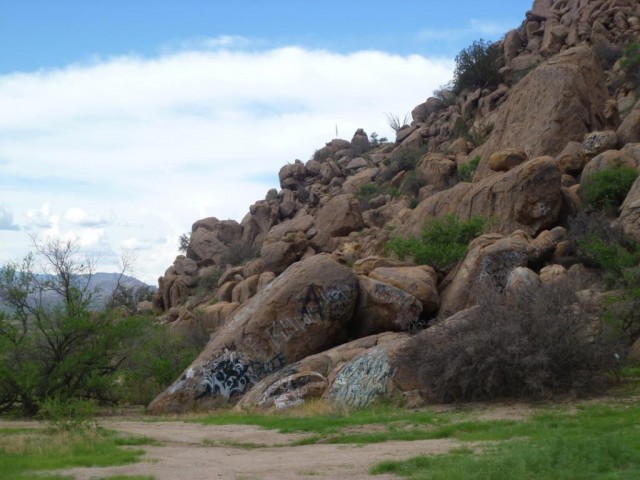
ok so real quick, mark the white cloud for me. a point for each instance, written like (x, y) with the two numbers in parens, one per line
(77, 216)
(42, 217)
(165, 141)
(6, 218)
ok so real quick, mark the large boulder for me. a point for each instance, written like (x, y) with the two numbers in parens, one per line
(420, 281)
(340, 216)
(382, 307)
(630, 213)
(310, 377)
(527, 197)
(302, 312)
(490, 264)
(558, 102)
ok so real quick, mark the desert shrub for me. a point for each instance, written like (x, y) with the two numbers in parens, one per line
(630, 61)
(477, 66)
(153, 357)
(601, 246)
(405, 158)
(368, 190)
(183, 242)
(510, 346)
(411, 184)
(396, 123)
(475, 136)
(442, 243)
(465, 171)
(607, 189)
(445, 94)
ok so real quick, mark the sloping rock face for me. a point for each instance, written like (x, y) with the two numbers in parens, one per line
(490, 264)
(556, 103)
(310, 378)
(300, 313)
(527, 197)
(563, 108)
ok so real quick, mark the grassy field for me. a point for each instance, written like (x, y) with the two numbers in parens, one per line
(590, 439)
(25, 453)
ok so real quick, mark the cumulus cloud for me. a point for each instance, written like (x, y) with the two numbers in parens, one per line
(78, 216)
(42, 217)
(164, 141)
(6, 218)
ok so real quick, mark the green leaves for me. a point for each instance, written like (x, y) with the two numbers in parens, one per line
(607, 189)
(442, 243)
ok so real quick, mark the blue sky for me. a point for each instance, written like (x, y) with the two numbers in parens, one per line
(123, 122)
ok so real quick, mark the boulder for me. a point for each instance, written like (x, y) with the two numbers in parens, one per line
(490, 263)
(420, 281)
(421, 112)
(608, 159)
(309, 378)
(630, 213)
(382, 307)
(558, 102)
(572, 158)
(505, 160)
(366, 265)
(353, 183)
(629, 129)
(280, 254)
(301, 313)
(528, 198)
(340, 216)
(437, 170)
(598, 142)
(360, 142)
(356, 163)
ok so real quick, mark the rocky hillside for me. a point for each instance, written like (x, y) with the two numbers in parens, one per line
(304, 300)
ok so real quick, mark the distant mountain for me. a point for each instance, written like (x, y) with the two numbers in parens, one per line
(101, 284)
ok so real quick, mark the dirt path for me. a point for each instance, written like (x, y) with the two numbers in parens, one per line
(191, 451)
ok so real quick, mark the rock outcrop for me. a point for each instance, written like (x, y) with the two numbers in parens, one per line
(303, 299)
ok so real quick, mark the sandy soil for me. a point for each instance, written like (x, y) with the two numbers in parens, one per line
(245, 452)
(192, 451)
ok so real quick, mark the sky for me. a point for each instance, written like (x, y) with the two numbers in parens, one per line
(123, 122)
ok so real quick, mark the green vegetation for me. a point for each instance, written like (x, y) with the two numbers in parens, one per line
(183, 242)
(477, 66)
(630, 61)
(466, 170)
(28, 453)
(476, 136)
(442, 243)
(595, 442)
(607, 189)
(64, 351)
(368, 191)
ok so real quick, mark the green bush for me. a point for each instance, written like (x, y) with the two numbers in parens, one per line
(466, 170)
(630, 61)
(477, 66)
(155, 356)
(607, 189)
(442, 243)
(368, 191)
(405, 158)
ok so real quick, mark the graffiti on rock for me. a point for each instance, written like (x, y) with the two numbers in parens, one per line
(258, 369)
(312, 306)
(226, 376)
(292, 389)
(361, 380)
(230, 375)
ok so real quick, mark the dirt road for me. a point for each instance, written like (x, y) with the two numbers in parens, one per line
(238, 452)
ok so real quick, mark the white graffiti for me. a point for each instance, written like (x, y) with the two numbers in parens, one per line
(362, 380)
